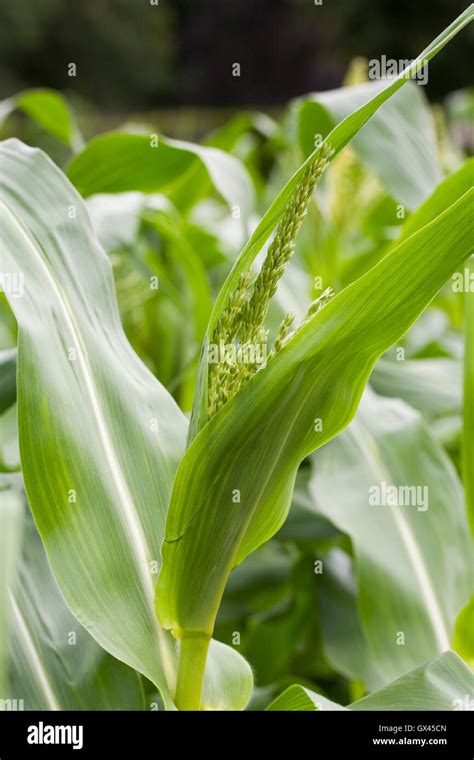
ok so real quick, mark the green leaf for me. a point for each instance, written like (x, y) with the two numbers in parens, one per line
(448, 191)
(115, 163)
(402, 127)
(463, 639)
(11, 527)
(7, 378)
(49, 109)
(233, 488)
(55, 664)
(299, 698)
(338, 138)
(410, 587)
(433, 386)
(468, 405)
(344, 642)
(101, 442)
(9, 445)
(444, 683)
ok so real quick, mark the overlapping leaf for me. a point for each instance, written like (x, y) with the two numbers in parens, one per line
(233, 488)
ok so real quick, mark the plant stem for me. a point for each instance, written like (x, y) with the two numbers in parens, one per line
(192, 664)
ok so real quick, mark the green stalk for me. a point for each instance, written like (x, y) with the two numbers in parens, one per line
(192, 664)
(468, 427)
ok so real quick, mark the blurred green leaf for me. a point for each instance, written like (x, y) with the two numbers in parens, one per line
(11, 528)
(47, 108)
(299, 698)
(444, 683)
(117, 163)
(7, 378)
(463, 639)
(402, 127)
(433, 386)
(413, 557)
(468, 404)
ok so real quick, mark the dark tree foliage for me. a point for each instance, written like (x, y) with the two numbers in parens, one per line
(134, 54)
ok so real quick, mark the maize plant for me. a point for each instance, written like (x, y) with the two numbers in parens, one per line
(310, 515)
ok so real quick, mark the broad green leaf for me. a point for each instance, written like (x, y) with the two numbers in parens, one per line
(11, 527)
(444, 683)
(55, 664)
(233, 488)
(49, 109)
(338, 138)
(344, 642)
(433, 386)
(101, 442)
(448, 191)
(7, 378)
(300, 698)
(411, 583)
(117, 163)
(402, 127)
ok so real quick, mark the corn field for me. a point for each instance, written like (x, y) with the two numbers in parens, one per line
(237, 404)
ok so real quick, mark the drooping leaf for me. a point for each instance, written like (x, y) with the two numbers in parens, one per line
(444, 683)
(118, 163)
(299, 698)
(386, 483)
(100, 438)
(49, 109)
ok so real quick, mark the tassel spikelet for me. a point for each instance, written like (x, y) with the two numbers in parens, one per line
(240, 338)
